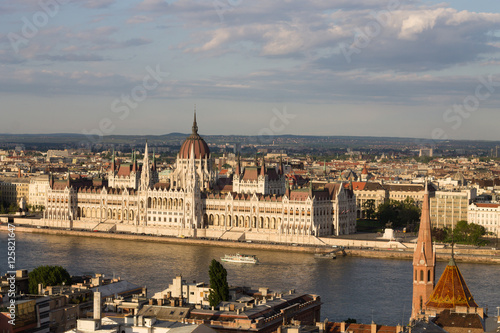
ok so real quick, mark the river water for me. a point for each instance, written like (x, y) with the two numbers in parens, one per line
(350, 287)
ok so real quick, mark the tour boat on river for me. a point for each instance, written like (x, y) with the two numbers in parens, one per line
(240, 258)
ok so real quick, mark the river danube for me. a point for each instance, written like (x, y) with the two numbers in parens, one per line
(350, 287)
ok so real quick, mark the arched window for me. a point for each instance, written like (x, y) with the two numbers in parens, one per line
(421, 275)
(428, 275)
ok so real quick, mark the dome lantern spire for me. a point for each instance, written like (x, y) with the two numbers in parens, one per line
(195, 125)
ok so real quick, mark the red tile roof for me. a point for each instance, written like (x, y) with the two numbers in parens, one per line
(124, 170)
(451, 290)
(250, 173)
(487, 205)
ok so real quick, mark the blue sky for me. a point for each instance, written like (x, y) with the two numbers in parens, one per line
(406, 68)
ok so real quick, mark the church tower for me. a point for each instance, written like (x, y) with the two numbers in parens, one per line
(424, 262)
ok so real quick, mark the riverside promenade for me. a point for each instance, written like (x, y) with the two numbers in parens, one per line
(361, 245)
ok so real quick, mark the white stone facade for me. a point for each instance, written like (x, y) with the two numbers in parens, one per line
(487, 215)
(190, 205)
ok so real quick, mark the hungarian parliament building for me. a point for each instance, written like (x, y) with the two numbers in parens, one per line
(254, 203)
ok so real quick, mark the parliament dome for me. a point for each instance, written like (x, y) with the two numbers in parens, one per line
(195, 141)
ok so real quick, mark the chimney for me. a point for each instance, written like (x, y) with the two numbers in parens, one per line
(374, 328)
(342, 326)
(97, 305)
(40, 288)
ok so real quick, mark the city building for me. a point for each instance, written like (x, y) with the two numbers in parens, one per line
(37, 189)
(260, 313)
(367, 192)
(449, 207)
(256, 203)
(401, 192)
(486, 215)
(190, 293)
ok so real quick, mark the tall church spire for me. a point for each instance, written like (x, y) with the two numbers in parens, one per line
(280, 168)
(153, 167)
(134, 162)
(145, 175)
(424, 262)
(113, 166)
(238, 165)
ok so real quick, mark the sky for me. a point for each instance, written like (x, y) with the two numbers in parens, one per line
(398, 68)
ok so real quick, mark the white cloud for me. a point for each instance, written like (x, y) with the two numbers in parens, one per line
(139, 19)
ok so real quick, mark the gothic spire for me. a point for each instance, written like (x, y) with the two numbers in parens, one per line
(195, 125)
(113, 166)
(134, 162)
(238, 165)
(424, 261)
(280, 169)
(145, 173)
(153, 167)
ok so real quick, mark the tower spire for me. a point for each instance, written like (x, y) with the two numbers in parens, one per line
(113, 161)
(238, 165)
(134, 162)
(153, 167)
(195, 125)
(424, 261)
(145, 174)
(280, 169)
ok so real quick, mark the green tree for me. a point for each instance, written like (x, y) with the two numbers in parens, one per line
(398, 213)
(387, 212)
(13, 208)
(409, 212)
(219, 289)
(468, 233)
(440, 234)
(369, 208)
(48, 276)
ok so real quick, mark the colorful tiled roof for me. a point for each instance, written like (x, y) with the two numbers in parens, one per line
(451, 290)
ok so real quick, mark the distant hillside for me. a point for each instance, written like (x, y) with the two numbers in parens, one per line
(305, 143)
